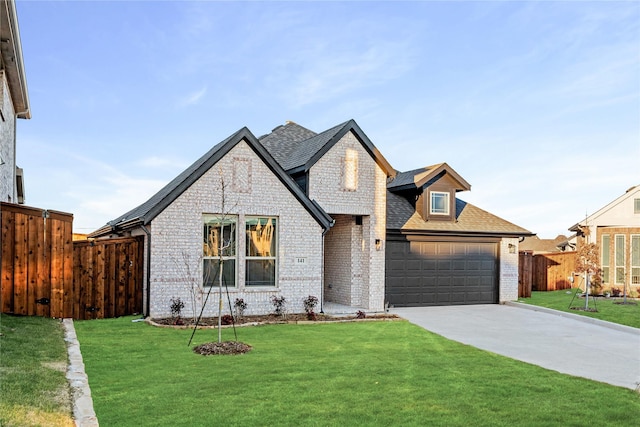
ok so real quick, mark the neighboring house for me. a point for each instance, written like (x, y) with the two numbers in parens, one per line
(616, 229)
(537, 245)
(302, 214)
(442, 250)
(14, 102)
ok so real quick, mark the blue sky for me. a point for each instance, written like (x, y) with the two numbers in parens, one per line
(535, 104)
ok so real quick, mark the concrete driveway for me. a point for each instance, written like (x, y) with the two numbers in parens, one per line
(562, 342)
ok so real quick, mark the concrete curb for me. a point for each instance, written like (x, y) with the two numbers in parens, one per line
(585, 319)
(83, 412)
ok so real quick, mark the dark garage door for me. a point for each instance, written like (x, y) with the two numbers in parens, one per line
(441, 273)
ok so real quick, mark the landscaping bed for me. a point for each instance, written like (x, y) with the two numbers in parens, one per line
(267, 319)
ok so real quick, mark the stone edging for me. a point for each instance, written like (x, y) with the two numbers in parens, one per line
(284, 322)
(83, 412)
(585, 319)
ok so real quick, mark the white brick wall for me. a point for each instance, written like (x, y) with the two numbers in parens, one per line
(508, 270)
(7, 144)
(362, 273)
(176, 243)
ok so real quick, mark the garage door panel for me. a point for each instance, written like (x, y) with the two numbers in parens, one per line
(442, 273)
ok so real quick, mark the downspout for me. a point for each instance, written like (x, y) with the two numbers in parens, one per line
(324, 233)
(148, 278)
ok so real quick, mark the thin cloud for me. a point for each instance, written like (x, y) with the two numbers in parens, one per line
(192, 98)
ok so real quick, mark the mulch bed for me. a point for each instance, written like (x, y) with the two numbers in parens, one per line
(235, 347)
(267, 319)
(225, 347)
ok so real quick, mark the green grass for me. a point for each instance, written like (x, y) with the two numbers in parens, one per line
(607, 309)
(33, 359)
(366, 373)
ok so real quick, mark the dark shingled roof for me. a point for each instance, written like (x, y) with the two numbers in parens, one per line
(147, 211)
(419, 177)
(402, 216)
(296, 148)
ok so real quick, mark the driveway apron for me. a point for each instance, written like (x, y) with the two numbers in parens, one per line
(598, 351)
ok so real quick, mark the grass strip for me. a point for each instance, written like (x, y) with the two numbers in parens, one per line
(608, 309)
(367, 373)
(33, 362)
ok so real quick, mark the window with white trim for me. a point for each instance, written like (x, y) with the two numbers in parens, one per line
(605, 258)
(439, 203)
(636, 206)
(619, 259)
(261, 251)
(219, 248)
(635, 259)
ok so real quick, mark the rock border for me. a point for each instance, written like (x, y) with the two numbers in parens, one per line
(83, 412)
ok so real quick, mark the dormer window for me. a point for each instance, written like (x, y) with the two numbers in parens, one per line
(439, 203)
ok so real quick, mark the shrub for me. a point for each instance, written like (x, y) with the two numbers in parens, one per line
(279, 305)
(310, 303)
(176, 307)
(227, 319)
(240, 307)
(360, 314)
(616, 292)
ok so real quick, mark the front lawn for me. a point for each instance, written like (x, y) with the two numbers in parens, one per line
(607, 308)
(365, 373)
(33, 360)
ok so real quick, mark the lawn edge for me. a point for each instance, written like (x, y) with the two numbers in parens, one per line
(585, 319)
(83, 412)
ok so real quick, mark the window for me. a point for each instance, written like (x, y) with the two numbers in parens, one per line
(620, 259)
(605, 257)
(261, 251)
(636, 206)
(635, 259)
(219, 248)
(439, 203)
(350, 170)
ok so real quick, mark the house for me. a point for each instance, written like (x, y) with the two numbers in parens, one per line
(616, 229)
(297, 213)
(442, 250)
(537, 245)
(14, 102)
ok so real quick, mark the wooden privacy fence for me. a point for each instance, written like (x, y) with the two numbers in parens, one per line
(45, 273)
(525, 274)
(547, 272)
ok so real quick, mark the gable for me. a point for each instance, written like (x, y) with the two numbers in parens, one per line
(302, 153)
(146, 212)
(623, 211)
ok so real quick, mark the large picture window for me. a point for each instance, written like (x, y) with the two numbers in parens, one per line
(606, 258)
(635, 259)
(620, 259)
(219, 248)
(261, 251)
(439, 203)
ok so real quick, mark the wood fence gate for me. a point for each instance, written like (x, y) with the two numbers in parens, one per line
(546, 272)
(45, 273)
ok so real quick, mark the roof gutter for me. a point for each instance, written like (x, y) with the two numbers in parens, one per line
(15, 50)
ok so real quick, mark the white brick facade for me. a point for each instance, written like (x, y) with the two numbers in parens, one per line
(177, 235)
(508, 270)
(7, 144)
(354, 267)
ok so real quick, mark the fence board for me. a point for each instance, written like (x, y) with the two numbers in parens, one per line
(20, 265)
(8, 256)
(525, 265)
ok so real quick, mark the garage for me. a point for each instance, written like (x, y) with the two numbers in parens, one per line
(432, 273)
